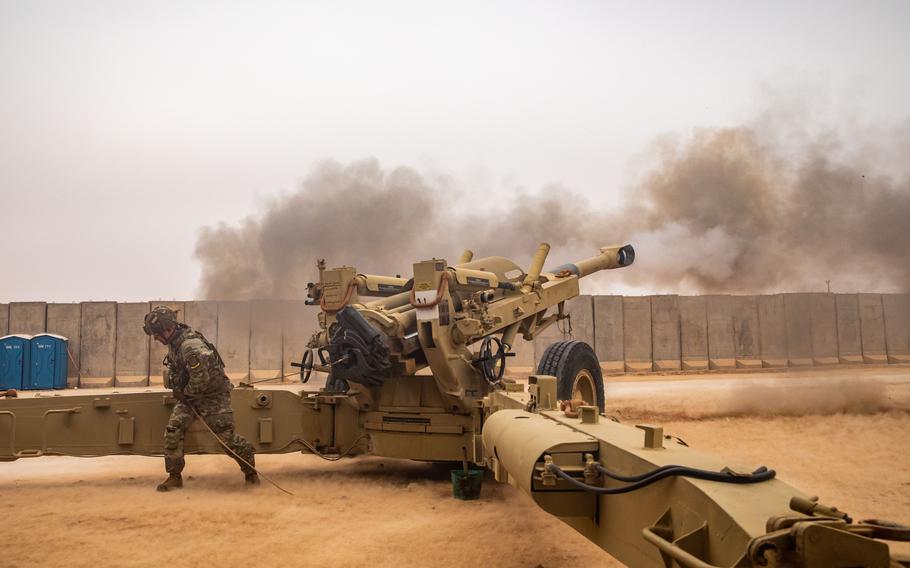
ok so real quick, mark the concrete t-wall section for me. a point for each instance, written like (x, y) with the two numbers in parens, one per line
(693, 332)
(203, 317)
(798, 311)
(131, 368)
(581, 323)
(721, 344)
(897, 327)
(66, 320)
(99, 337)
(849, 338)
(234, 339)
(772, 323)
(27, 317)
(265, 339)
(746, 332)
(872, 328)
(608, 339)
(629, 334)
(665, 335)
(524, 355)
(636, 331)
(157, 351)
(824, 328)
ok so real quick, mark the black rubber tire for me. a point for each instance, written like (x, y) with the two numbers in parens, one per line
(565, 360)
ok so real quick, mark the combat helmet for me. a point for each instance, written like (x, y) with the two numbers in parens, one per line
(159, 320)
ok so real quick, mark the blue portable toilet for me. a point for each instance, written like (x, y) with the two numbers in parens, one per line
(14, 358)
(47, 362)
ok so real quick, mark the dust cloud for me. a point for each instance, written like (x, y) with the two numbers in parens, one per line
(747, 209)
(818, 393)
(840, 396)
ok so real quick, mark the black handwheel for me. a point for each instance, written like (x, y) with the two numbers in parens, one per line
(577, 372)
(493, 363)
(305, 365)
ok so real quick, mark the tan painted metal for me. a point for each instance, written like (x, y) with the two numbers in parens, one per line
(435, 402)
(693, 522)
(274, 421)
(451, 308)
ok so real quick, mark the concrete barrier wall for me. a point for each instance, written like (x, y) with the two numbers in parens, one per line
(665, 333)
(234, 339)
(824, 329)
(798, 313)
(636, 330)
(524, 355)
(203, 317)
(27, 317)
(746, 332)
(608, 337)
(131, 364)
(693, 331)
(872, 328)
(260, 339)
(721, 346)
(99, 339)
(897, 327)
(66, 320)
(265, 339)
(849, 336)
(772, 321)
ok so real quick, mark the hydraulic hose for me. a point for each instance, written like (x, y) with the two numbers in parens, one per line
(640, 481)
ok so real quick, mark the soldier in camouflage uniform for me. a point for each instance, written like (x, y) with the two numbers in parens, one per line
(195, 372)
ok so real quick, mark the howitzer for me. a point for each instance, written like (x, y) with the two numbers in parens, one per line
(436, 318)
(419, 374)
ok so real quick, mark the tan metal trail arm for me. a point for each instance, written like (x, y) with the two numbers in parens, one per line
(274, 421)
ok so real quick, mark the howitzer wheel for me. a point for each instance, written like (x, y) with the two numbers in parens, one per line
(577, 372)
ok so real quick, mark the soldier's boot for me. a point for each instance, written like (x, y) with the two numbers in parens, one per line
(249, 472)
(173, 481)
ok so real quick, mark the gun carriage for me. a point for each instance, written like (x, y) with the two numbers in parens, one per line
(416, 370)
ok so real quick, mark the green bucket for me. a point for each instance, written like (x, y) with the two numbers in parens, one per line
(466, 485)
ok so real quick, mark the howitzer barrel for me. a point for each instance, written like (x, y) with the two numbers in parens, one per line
(609, 258)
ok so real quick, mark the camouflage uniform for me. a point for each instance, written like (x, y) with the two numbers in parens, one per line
(195, 372)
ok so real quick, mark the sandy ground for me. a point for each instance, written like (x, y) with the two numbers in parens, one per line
(840, 434)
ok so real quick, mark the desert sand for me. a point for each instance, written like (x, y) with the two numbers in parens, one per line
(840, 434)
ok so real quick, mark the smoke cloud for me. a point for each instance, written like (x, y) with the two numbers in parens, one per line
(729, 211)
(746, 209)
(380, 221)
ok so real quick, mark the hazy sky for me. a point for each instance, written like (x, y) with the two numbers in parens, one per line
(127, 126)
